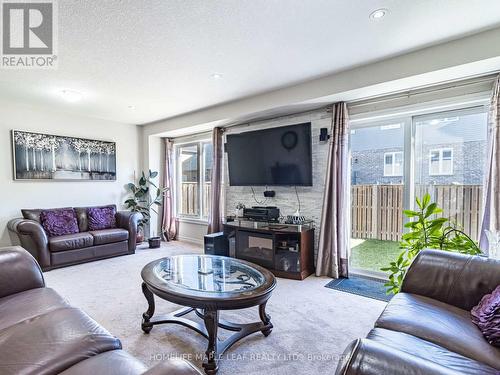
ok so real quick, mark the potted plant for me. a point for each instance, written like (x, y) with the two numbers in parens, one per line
(146, 195)
(426, 232)
(240, 207)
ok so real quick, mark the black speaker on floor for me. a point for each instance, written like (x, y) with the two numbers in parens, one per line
(217, 244)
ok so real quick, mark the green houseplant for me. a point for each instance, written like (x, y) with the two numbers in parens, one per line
(145, 197)
(426, 231)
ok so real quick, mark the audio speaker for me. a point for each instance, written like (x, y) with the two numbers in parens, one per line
(323, 135)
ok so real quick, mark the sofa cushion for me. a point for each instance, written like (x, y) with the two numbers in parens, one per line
(486, 316)
(439, 323)
(101, 218)
(59, 222)
(52, 342)
(26, 305)
(82, 218)
(105, 236)
(114, 362)
(429, 352)
(70, 242)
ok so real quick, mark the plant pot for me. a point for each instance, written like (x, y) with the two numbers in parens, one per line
(154, 242)
(139, 237)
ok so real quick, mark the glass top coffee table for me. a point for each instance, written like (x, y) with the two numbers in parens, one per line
(206, 284)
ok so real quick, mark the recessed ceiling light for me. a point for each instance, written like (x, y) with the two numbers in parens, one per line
(216, 76)
(71, 96)
(131, 107)
(378, 14)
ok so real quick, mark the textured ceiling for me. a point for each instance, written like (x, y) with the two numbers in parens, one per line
(159, 55)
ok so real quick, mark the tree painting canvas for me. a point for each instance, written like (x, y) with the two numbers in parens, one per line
(50, 157)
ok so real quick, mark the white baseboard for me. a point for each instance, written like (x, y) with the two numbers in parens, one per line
(194, 241)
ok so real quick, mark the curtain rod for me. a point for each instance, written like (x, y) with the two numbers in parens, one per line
(421, 91)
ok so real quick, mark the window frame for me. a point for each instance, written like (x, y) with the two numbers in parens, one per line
(393, 154)
(200, 177)
(440, 172)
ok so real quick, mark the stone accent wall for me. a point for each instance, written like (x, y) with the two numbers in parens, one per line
(311, 197)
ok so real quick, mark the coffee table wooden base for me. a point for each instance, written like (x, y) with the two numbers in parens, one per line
(208, 329)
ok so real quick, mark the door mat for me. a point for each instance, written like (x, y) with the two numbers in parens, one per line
(361, 286)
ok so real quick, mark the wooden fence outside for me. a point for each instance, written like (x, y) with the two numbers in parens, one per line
(377, 210)
(189, 202)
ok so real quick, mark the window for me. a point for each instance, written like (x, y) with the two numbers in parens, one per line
(441, 162)
(193, 174)
(207, 172)
(393, 163)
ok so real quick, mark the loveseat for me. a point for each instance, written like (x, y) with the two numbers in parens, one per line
(42, 334)
(427, 327)
(69, 249)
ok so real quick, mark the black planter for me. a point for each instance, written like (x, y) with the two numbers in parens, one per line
(154, 242)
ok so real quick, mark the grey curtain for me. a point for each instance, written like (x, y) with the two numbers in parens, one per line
(491, 212)
(169, 222)
(334, 228)
(215, 213)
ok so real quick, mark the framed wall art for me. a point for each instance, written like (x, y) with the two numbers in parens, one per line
(50, 157)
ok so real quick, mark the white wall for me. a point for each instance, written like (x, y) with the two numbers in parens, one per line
(46, 194)
(192, 232)
(156, 162)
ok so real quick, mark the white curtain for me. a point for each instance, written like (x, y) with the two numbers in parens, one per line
(491, 212)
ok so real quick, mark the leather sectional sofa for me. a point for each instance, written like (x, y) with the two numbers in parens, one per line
(427, 327)
(61, 251)
(42, 334)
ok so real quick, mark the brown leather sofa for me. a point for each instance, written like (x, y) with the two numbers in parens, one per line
(85, 246)
(42, 334)
(426, 328)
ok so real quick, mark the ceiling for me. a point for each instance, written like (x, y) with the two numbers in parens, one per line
(158, 56)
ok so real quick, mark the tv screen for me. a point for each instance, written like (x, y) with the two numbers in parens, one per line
(276, 156)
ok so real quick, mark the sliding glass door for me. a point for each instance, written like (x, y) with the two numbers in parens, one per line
(450, 156)
(377, 193)
(393, 161)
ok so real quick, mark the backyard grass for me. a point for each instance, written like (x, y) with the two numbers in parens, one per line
(371, 255)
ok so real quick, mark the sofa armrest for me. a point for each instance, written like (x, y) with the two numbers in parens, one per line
(33, 238)
(456, 279)
(129, 220)
(174, 366)
(19, 271)
(368, 357)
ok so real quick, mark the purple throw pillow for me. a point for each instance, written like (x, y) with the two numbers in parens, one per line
(59, 222)
(101, 218)
(486, 315)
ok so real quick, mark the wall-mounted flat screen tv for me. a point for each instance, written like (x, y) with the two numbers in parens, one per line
(275, 156)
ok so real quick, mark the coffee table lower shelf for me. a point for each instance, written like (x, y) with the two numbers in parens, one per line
(208, 328)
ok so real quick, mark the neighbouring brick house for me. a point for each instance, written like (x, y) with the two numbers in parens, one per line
(448, 151)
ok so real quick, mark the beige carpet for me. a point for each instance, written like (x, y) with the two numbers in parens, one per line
(312, 324)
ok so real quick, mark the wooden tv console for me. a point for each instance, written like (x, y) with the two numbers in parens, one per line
(287, 250)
